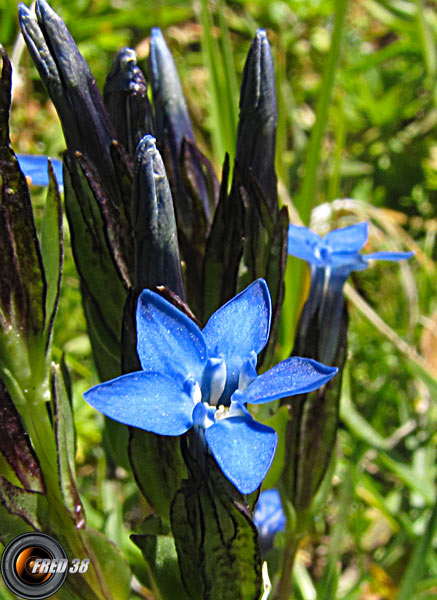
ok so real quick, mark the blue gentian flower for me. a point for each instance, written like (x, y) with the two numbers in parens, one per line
(339, 250)
(269, 518)
(34, 168)
(204, 379)
(332, 259)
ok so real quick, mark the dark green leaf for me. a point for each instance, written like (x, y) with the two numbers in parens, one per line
(313, 428)
(30, 506)
(85, 121)
(11, 526)
(22, 281)
(201, 187)
(114, 221)
(158, 468)
(199, 174)
(103, 291)
(224, 248)
(216, 541)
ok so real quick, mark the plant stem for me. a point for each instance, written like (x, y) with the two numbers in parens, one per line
(284, 587)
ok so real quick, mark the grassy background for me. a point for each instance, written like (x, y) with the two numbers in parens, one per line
(357, 100)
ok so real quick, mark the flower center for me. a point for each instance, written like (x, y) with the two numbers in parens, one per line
(218, 396)
(220, 379)
(214, 380)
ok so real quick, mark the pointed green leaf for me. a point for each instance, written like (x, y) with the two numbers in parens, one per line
(116, 222)
(31, 506)
(160, 553)
(65, 443)
(11, 526)
(52, 248)
(22, 281)
(201, 187)
(114, 569)
(274, 275)
(106, 349)
(15, 445)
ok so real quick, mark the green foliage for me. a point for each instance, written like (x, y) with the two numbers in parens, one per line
(358, 124)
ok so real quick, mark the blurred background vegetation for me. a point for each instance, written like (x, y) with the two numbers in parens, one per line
(374, 141)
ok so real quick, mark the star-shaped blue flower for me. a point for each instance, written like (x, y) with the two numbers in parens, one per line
(194, 378)
(339, 250)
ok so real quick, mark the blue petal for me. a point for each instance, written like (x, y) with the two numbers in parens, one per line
(347, 239)
(242, 325)
(305, 244)
(35, 169)
(388, 255)
(168, 341)
(348, 261)
(269, 516)
(290, 377)
(243, 449)
(150, 401)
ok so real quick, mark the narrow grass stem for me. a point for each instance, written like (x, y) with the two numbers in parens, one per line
(306, 196)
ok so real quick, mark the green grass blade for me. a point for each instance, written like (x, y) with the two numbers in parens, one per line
(306, 196)
(418, 561)
(303, 582)
(230, 76)
(357, 424)
(223, 96)
(427, 41)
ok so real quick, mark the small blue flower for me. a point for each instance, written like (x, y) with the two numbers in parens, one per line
(269, 518)
(337, 251)
(34, 168)
(194, 378)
